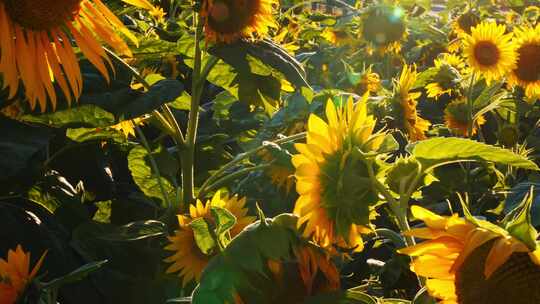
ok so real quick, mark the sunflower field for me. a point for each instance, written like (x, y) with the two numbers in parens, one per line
(269, 151)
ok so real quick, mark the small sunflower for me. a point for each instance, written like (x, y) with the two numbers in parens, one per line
(490, 51)
(15, 274)
(229, 20)
(328, 175)
(404, 104)
(155, 11)
(36, 48)
(384, 27)
(465, 22)
(473, 263)
(456, 118)
(367, 82)
(527, 71)
(188, 258)
(446, 80)
(281, 175)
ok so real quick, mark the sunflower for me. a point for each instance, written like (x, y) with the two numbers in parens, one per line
(527, 71)
(465, 22)
(367, 81)
(281, 175)
(456, 118)
(15, 274)
(188, 258)
(229, 20)
(446, 80)
(466, 262)
(310, 272)
(36, 49)
(127, 127)
(384, 27)
(328, 173)
(404, 104)
(490, 51)
(155, 11)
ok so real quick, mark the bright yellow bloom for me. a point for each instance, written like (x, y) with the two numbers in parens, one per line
(404, 103)
(188, 259)
(447, 78)
(36, 48)
(490, 51)
(369, 82)
(229, 20)
(127, 127)
(15, 274)
(456, 118)
(473, 263)
(155, 11)
(527, 71)
(326, 170)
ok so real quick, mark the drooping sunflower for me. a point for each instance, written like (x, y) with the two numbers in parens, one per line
(310, 272)
(334, 206)
(527, 71)
(15, 274)
(36, 45)
(473, 263)
(188, 258)
(367, 81)
(404, 102)
(447, 78)
(490, 51)
(456, 118)
(229, 20)
(384, 27)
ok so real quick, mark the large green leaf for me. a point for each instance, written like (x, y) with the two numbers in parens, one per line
(440, 150)
(146, 179)
(77, 117)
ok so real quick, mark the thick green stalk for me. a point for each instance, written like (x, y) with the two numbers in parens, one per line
(187, 154)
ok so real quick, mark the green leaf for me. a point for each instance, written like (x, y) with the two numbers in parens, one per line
(203, 237)
(147, 180)
(516, 196)
(439, 150)
(77, 117)
(74, 276)
(521, 225)
(342, 297)
(225, 220)
(135, 231)
(95, 134)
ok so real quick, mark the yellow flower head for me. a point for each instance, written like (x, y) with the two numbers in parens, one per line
(229, 20)
(15, 274)
(36, 48)
(490, 51)
(188, 258)
(456, 118)
(369, 82)
(155, 11)
(327, 173)
(473, 263)
(527, 71)
(404, 104)
(465, 22)
(446, 80)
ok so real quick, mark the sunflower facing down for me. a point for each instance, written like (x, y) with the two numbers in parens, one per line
(527, 71)
(335, 195)
(456, 118)
(229, 20)
(15, 274)
(188, 258)
(446, 80)
(36, 48)
(404, 103)
(473, 263)
(490, 51)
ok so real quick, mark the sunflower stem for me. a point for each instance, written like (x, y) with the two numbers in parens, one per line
(187, 155)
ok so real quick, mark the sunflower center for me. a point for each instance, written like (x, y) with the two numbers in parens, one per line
(528, 65)
(517, 281)
(41, 14)
(486, 53)
(244, 12)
